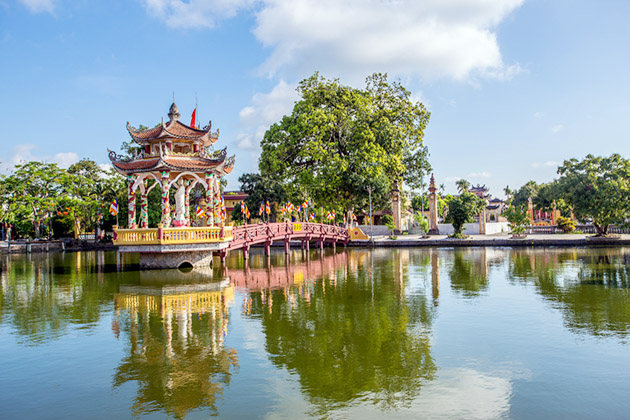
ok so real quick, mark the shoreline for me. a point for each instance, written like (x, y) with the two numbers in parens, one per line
(403, 241)
(503, 240)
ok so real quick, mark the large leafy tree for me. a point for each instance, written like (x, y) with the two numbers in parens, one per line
(33, 191)
(339, 142)
(521, 196)
(462, 209)
(261, 189)
(597, 188)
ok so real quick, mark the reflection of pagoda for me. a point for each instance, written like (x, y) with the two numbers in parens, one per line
(177, 354)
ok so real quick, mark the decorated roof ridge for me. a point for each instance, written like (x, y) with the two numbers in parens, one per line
(175, 129)
(217, 157)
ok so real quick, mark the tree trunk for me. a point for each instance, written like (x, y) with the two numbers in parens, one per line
(601, 230)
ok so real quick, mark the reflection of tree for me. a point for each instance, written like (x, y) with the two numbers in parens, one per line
(350, 335)
(48, 293)
(591, 286)
(469, 272)
(176, 349)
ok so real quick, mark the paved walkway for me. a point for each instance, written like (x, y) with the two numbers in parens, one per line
(567, 240)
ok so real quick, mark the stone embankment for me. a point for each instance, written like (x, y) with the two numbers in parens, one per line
(20, 246)
(557, 240)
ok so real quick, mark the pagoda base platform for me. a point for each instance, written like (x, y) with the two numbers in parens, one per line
(175, 256)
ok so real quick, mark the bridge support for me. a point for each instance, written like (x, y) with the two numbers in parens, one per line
(287, 245)
(268, 248)
(222, 255)
(245, 252)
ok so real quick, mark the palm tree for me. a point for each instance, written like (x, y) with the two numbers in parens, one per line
(462, 185)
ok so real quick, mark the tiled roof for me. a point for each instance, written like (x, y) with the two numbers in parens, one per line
(137, 165)
(192, 163)
(184, 163)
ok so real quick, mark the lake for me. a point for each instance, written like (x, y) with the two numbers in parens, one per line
(483, 333)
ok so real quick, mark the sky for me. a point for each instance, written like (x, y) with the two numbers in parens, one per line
(514, 87)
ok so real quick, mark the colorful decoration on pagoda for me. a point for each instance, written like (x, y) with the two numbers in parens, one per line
(166, 206)
(210, 198)
(144, 213)
(131, 202)
(217, 202)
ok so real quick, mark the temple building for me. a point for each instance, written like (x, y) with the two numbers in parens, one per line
(174, 155)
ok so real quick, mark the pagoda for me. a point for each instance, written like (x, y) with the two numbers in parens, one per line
(172, 156)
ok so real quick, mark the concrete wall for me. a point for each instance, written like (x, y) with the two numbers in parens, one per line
(473, 228)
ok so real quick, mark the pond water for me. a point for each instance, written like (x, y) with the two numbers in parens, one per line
(384, 333)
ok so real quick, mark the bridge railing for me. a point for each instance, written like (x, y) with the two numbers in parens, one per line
(171, 236)
(277, 231)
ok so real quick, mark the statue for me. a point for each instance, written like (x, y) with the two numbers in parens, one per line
(180, 205)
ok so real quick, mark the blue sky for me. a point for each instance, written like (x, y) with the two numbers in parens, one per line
(514, 86)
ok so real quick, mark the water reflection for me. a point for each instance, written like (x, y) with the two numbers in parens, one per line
(42, 295)
(344, 325)
(175, 324)
(589, 286)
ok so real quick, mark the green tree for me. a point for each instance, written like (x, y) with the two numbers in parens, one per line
(34, 189)
(261, 189)
(521, 196)
(517, 218)
(462, 209)
(338, 141)
(462, 185)
(597, 188)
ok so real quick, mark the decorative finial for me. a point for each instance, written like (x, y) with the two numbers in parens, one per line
(432, 184)
(173, 113)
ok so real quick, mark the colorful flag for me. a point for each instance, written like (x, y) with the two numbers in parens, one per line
(290, 207)
(200, 212)
(268, 208)
(312, 217)
(193, 118)
(354, 217)
(299, 209)
(243, 207)
(247, 215)
(329, 216)
(261, 209)
(113, 208)
(305, 203)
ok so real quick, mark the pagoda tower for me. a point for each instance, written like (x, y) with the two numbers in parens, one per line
(173, 155)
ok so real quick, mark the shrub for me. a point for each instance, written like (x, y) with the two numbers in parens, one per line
(567, 225)
(517, 218)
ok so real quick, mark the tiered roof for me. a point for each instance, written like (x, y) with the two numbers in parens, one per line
(166, 159)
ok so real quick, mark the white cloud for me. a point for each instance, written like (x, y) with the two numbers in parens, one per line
(23, 153)
(428, 39)
(433, 38)
(264, 110)
(194, 13)
(482, 174)
(557, 128)
(64, 159)
(538, 115)
(37, 6)
(549, 163)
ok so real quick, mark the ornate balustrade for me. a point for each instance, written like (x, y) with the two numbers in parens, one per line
(172, 236)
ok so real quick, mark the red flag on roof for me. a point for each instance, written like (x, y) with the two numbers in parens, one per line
(193, 119)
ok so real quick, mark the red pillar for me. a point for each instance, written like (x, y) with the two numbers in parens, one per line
(287, 245)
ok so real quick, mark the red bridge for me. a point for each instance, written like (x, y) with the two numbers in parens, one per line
(268, 233)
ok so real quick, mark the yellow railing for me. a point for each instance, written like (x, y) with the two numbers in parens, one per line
(170, 236)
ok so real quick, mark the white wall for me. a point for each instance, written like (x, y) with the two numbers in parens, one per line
(473, 228)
